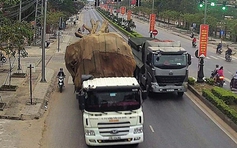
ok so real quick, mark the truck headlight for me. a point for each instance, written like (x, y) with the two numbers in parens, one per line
(138, 130)
(90, 133)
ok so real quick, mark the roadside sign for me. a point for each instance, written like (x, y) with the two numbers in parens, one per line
(123, 10)
(152, 22)
(203, 39)
(129, 15)
(154, 32)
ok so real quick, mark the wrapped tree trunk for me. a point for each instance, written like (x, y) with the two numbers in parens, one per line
(100, 54)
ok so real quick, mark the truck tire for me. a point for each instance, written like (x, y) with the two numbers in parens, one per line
(180, 94)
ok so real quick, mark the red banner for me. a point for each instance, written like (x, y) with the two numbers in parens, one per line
(133, 2)
(129, 15)
(152, 22)
(203, 39)
(123, 10)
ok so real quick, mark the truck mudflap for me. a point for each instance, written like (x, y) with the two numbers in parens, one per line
(168, 88)
(99, 140)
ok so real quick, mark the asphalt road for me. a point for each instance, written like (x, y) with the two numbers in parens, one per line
(169, 122)
(209, 62)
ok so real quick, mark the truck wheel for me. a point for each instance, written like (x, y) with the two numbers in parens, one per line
(180, 94)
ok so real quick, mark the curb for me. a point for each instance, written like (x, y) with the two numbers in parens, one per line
(214, 109)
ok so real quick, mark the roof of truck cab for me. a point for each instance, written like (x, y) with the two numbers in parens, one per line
(110, 82)
(167, 49)
(164, 46)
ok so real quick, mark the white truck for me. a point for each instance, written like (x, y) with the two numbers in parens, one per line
(112, 110)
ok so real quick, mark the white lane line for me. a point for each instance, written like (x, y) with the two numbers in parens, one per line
(234, 58)
(212, 116)
(208, 58)
(214, 57)
(221, 57)
(228, 80)
(192, 57)
(152, 130)
(230, 72)
(70, 80)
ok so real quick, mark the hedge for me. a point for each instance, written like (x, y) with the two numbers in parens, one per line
(221, 105)
(227, 96)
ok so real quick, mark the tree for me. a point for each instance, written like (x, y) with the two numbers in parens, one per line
(12, 39)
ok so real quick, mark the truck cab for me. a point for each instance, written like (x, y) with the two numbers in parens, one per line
(112, 111)
(162, 67)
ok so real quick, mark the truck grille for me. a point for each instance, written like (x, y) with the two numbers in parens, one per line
(163, 80)
(114, 129)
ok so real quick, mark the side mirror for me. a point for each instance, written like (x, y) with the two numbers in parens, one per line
(81, 99)
(144, 94)
(189, 59)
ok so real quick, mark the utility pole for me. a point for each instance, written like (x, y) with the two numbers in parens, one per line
(19, 51)
(43, 42)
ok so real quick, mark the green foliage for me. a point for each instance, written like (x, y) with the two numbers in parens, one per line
(14, 34)
(191, 81)
(227, 96)
(210, 81)
(221, 105)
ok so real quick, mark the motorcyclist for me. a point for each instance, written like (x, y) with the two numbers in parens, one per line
(220, 72)
(219, 46)
(194, 41)
(234, 78)
(229, 50)
(213, 74)
(61, 73)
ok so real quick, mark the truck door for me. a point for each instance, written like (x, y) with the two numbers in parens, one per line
(148, 68)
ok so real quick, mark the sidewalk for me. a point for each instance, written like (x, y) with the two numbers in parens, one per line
(18, 103)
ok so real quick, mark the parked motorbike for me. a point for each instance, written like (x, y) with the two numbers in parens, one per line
(60, 83)
(233, 84)
(3, 59)
(220, 81)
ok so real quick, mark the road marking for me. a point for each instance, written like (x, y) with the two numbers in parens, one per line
(214, 57)
(230, 72)
(192, 57)
(228, 80)
(221, 57)
(152, 130)
(208, 58)
(212, 116)
(70, 80)
(234, 58)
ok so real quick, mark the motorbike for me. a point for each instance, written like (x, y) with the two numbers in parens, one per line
(213, 73)
(60, 83)
(220, 81)
(194, 44)
(233, 84)
(218, 50)
(3, 59)
(228, 57)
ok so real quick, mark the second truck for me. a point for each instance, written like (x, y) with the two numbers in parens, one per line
(161, 66)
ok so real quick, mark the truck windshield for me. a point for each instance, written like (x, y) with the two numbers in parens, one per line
(101, 101)
(170, 61)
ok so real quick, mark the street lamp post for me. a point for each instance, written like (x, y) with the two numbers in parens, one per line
(43, 43)
(201, 59)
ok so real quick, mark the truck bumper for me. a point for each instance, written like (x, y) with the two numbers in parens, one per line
(99, 140)
(168, 88)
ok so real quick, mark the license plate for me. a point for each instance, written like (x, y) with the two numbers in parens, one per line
(114, 138)
(170, 89)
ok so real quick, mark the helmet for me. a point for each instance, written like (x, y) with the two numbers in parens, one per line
(217, 66)
(61, 69)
